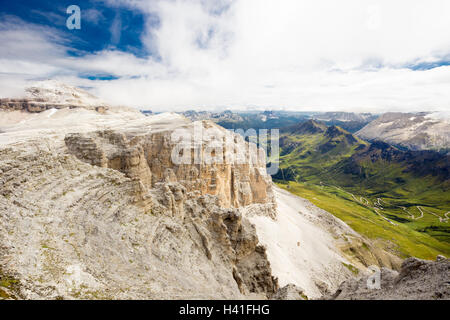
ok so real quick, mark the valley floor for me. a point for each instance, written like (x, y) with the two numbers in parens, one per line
(376, 219)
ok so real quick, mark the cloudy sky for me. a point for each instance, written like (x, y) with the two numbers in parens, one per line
(354, 55)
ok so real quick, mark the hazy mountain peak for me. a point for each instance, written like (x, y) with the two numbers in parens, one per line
(416, 131)
(334, 131)
(57, 92)
(53, 94)
(345, 116)
(308, 127)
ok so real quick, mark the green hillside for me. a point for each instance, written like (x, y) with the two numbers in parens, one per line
(400, 196)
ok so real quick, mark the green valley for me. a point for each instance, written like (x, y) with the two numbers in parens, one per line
(399, 196)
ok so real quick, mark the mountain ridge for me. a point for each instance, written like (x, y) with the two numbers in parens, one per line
(415, 131)
(399, 186)
(92, 206)
(52, 94)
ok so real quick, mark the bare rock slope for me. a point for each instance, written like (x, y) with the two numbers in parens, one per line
(417, 279)
(93, 205)
(147, 156)
(416, 131)
(312, 249)
(51, 94)
(104, 214)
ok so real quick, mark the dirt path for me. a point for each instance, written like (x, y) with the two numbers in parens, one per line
(441, 219)
(378, 206)
(365, 202)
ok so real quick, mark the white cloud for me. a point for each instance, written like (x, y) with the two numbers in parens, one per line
(324, 54)
(116, 29)
(93, 15)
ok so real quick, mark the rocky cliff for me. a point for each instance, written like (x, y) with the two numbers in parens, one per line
(417, 279)
(234, 171)
(415, 131)
(50, 94)
(118, 205)
(93, 206)
(69, 229)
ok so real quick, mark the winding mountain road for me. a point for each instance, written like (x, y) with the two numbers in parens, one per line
(378, 206)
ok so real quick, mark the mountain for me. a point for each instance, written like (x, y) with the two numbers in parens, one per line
(249, 119)
(307, 127)
(51, 94)
(310, 147)
(345, 116)
(226, 115)
(96, 201)
(403, 191)
(95, 205)
(418, 279)
(419, 163)
(349, 121)
(415, 131)
(109, 203)
(57, 92)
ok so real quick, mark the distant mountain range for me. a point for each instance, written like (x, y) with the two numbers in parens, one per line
(350, 121)
(249, 119)
(52, 94)
(91, 194)
(315, 151)
(415, 131)
(208, 115)
(278, 119)
(391, 170)
(392, 187)
(345, 116)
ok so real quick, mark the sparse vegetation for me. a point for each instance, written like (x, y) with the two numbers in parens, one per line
(9, 286)
(352, 268)
(366, 222)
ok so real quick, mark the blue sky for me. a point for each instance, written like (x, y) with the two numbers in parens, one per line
(179, 54)
(103, 26)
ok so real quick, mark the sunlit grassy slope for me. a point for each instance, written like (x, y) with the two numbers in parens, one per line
(407, 238)
(376, 191)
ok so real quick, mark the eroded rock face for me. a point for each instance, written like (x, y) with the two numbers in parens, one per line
(36, 105)
(51, 94)
(290, 292)
(108, 213)
(147, 157)
(415, 131)
(69, 229)
(417, 279)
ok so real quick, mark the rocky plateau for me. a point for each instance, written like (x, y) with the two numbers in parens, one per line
(93, 206)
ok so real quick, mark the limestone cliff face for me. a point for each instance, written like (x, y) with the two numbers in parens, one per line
(106, 212)
(234, 171)
(417, 280)
(40, 105)
(69, 229)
